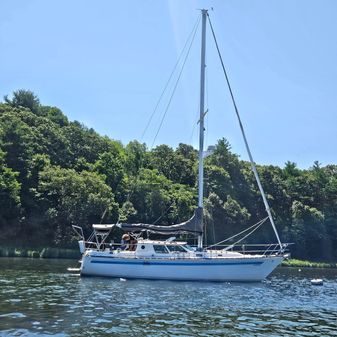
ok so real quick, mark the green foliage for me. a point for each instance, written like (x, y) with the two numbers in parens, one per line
(127, 212)
(111, 165)
(9, 194)
(178, 166)
(24, 98)
(308, 222)
(55, 173)
(135, 157)
(226, 217)
(307, 264)
(71, 198)
(54, 114)
(218, 181)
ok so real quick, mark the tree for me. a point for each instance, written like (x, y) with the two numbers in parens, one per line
(111, 166)
(24, 98)
(9, 196)
(308, 231)
(149, 195)
(163, 159)
(225, 217)
(54, 114)
(177, 166)
(135, 153)
(70, 198)
(86, 143)
(218, 181)
(291, 170)
(188, 152)
(156, 197)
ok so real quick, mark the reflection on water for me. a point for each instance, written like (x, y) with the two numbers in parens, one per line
(38, 297)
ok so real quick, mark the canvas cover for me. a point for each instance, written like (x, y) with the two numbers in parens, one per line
(193, 225)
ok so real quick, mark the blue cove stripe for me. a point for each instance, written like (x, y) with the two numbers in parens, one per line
(178, 263)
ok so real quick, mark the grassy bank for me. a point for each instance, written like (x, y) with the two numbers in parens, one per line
(54, 253)
(307, 264)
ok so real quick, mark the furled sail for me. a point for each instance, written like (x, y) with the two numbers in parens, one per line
(193, 225)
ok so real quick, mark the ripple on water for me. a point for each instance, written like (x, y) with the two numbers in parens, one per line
(39, 299)
(13, 315)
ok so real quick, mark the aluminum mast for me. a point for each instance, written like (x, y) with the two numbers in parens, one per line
(201, 120)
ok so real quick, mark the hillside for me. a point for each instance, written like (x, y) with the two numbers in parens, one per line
(55, 173)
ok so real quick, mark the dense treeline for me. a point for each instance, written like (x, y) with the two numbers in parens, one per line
(55, 173)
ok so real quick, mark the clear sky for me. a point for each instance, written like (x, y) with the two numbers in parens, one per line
(105, 63)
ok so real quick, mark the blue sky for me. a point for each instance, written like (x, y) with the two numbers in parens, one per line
(105, 63)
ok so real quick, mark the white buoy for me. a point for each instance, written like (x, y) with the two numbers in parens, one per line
(122, 279)
(317, 282)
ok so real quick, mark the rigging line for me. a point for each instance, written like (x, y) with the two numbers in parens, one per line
(170, 77)
(265, 201)
(207, 106)
(197, 115)
(175, 87)
(164, 213)
(250, 233)
(256, 225)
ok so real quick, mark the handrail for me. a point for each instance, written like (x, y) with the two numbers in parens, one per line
(79, 231)
(254, 244)
(207, 247)
(262, 250)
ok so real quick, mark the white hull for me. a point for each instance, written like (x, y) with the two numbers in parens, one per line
(247, 269)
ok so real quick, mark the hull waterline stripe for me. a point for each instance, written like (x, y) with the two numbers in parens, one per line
(179, 263)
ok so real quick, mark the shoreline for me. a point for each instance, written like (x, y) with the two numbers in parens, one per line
(296, 263)
(68, 253)
(42, 253)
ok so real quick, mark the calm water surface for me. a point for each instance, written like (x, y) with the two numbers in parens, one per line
(39, 298)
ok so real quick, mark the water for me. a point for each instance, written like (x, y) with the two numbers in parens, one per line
(39, 298)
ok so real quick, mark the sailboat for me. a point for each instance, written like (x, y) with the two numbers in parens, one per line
(170, 259)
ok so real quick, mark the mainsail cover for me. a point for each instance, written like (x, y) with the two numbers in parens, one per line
(193, 225)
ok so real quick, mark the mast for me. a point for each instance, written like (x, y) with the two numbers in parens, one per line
(201, 120)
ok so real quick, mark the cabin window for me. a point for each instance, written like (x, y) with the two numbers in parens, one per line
(178, 249)
(160, 249)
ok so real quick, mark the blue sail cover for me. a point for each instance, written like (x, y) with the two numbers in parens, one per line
(193, 226)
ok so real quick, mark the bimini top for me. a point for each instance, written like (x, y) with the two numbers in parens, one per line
(102, 227)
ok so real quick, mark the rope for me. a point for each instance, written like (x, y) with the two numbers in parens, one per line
(254, 227)
(265, 201)
(164, 213)
(175, 87)
(169, 80)
(235, 243)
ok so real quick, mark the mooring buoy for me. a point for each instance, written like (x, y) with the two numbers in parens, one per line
(317, 282)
